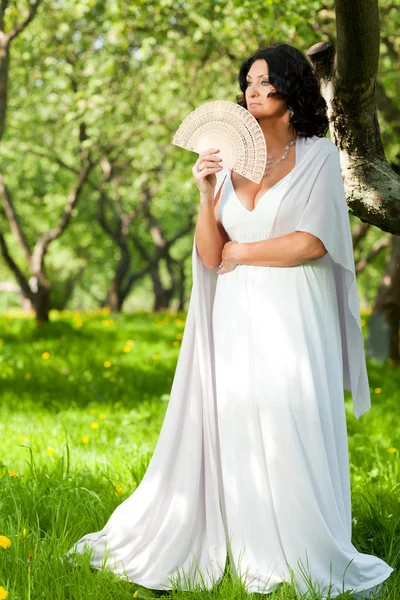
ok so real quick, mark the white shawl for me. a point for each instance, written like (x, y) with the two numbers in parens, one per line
(315, 202)
(175, 513)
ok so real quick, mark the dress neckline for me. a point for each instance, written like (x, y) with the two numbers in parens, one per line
(261, 197)
(296, 161)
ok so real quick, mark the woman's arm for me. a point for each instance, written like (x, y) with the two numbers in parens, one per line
(285, 251)
(209, 234)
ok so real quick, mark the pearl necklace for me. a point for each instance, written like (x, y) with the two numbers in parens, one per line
(269, 164)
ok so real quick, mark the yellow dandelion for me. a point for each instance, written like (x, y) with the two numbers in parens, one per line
(3, 593)
(108, 322)
(50, 451)
(102, 416)
(136, 594)
(179, 336)
(46, 355)
(175, 344)
(5, 542)
(118, 489)
(127, 348)
(130, 342)
(156, 357)
(392, 449)
(24, 532)
(23, 438)
(363, 322)
(85, 439)
(27, 376)
(107, 364)
(378, 390)
(117, 404)
(94, 425)
(13, 474)
(134, 483)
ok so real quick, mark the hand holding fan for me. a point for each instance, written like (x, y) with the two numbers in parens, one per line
(231, 128)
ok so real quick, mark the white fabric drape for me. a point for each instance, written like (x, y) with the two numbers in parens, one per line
(173, 526)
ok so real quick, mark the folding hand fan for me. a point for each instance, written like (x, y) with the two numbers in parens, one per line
(232, 129)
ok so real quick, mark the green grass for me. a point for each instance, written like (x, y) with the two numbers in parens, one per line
(82, 403)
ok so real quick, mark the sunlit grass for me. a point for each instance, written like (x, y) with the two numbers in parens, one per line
(83, 400)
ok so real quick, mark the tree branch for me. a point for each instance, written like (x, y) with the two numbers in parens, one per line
(357, 27)
(3, 8)
(29, 16)
(372, 187)
(114, 233)
(359, 232)
(43, 243)
(14, 268)
(13, 219)
(377, 247)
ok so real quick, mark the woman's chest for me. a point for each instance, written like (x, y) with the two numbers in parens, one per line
(242, 224)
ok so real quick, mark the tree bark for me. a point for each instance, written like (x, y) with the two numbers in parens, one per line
(348, 81)
(5, 41)
(38, 287)
(384, 325)
(348, 84)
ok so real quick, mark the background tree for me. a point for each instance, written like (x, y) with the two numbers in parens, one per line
(127, 75)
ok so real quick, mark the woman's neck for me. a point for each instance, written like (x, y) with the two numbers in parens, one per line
(277, 134)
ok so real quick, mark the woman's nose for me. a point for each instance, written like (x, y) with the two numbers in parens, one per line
(253, 91)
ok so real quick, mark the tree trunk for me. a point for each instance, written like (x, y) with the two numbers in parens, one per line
(384, 325)
(116, 295)
(162, 295)
(182, 280)
(4, 61)
(348, 82)
(41, 305)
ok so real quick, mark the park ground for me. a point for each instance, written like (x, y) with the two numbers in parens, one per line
(82, 403)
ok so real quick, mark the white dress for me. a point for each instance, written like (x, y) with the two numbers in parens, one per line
(281, 417)
(252, 457)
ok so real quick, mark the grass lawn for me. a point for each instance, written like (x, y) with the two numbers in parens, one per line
(82, 404)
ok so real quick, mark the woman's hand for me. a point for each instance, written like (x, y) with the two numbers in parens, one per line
(204, 171)
(230, 257)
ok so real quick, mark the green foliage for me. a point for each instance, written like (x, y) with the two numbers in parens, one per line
(128, 73)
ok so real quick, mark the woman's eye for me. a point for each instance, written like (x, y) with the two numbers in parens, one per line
(264, 81)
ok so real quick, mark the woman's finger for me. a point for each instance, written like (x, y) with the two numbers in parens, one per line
(208, 171)
(205, 164)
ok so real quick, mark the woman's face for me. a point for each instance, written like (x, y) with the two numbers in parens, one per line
(258, 87)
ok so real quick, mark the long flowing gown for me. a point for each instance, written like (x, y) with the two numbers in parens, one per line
(252, 458)
(281, 415)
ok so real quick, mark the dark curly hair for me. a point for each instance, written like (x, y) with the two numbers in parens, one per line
(295, 81)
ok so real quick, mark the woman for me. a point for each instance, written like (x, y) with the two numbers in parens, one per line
(252, 458)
